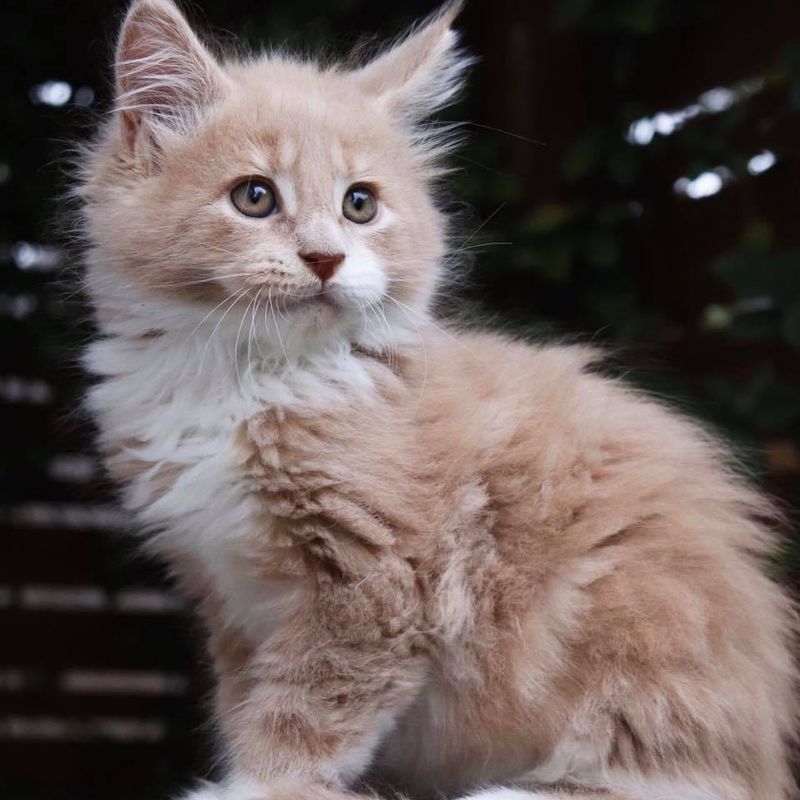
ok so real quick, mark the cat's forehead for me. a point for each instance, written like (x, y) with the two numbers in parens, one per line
(296, 114)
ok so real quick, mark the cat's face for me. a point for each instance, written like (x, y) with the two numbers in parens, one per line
(270, 185)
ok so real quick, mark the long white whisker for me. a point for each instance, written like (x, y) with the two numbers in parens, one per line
(424, 319)
(235, 300)
(236, 347)
(406, 311)
(391, 353)
(255, 311)
(256, 300)
(179, 284)
(480, 227)
(277, 327)
(200, 324)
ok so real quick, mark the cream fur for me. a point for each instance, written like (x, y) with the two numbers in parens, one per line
(431, 559)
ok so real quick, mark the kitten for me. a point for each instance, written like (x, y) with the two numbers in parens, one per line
(438, 561)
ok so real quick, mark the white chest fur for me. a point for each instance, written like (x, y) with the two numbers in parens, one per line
(173, 403)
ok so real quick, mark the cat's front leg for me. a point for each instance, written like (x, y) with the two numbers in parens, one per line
(303, 710)
(302, 715)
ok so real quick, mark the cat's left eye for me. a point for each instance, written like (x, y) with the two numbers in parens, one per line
(254, 198)
(359, 204)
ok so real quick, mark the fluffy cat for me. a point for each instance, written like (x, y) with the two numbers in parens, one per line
(433, 561)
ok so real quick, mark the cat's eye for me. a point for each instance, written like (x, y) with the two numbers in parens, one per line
(254, 198)
(359, 204)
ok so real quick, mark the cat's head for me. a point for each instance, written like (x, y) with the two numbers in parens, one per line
(302, 190)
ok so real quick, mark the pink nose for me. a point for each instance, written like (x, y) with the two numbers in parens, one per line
(323, 265)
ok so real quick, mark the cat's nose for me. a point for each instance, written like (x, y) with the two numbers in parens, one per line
(323, 265)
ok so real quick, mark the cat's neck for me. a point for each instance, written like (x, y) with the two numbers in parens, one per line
(158, 354)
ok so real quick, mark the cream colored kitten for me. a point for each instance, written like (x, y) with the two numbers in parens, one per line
(439, 562)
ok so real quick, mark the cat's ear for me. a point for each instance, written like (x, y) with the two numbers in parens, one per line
(165, 76)
(424, 71)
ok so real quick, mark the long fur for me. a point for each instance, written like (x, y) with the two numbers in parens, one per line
(427, 558)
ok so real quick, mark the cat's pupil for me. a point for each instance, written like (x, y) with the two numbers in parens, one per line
(358, 200)
(256, 193)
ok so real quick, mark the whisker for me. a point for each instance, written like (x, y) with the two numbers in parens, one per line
(277, 327)
(179, 284)
(236, 299)
(236, 348)
(384, 326)
(250, 337)
(468, 123)
(255, 311)
(425, 320)
(482, 244)
(425, 359)
(485, 167)
(200, 324)
(481, 227)
(507, 133)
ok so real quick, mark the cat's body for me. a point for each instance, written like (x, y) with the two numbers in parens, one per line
(431, 560)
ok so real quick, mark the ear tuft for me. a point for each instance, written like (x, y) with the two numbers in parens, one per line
(424, 71)
(165, 77)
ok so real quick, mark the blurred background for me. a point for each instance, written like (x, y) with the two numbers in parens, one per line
(632, 179)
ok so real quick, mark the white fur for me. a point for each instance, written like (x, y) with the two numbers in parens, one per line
(207, 791)
(581, 759)
(637, 788)
(503, 793)
(234, 788)
(241, 788)
(181, 397)
(663, 788)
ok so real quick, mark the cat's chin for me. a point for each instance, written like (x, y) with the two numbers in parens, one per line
(323, 306)
(315, 303)
(315, 311)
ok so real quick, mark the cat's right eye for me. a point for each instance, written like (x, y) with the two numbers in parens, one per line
(254, 198)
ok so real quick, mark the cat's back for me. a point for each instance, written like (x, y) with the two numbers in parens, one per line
(575, 456)
(550, 406)
(626, 562)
